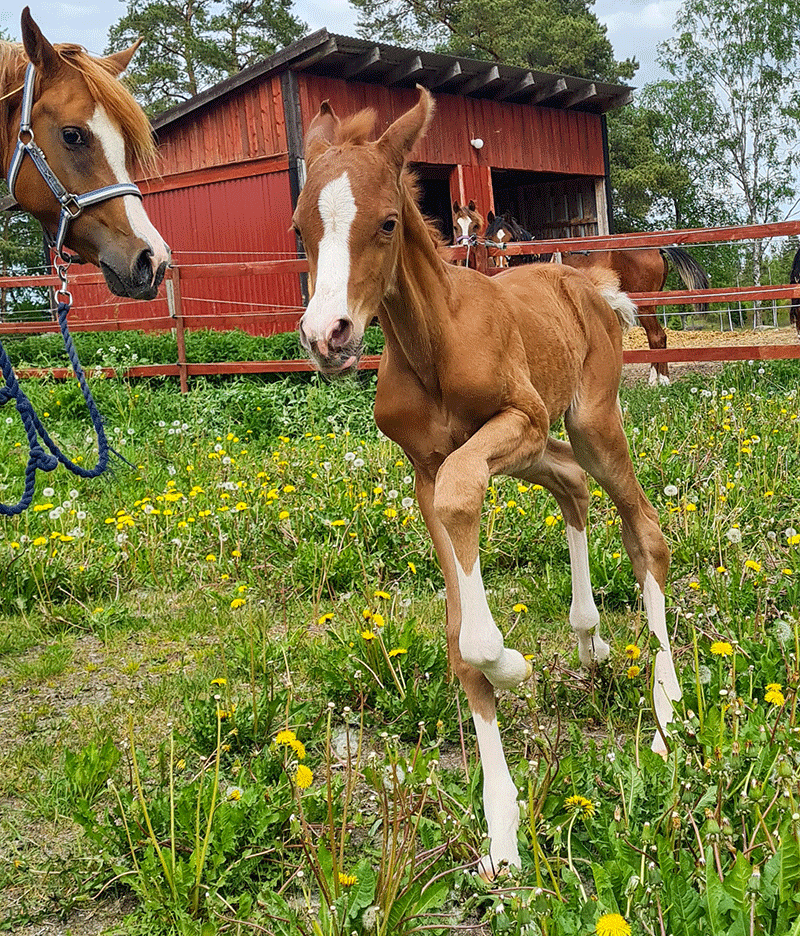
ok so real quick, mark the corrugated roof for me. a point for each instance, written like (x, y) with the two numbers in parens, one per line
(326, 53)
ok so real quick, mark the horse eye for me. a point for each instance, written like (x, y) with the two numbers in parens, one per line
(389, 225)
(72, 136)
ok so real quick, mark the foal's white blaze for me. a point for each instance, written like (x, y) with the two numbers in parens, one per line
(337, 209)
(500, 236)
(499, 798)
(666, 688)
(463, 223)
(584, 617)
(480, 641)
(108, 134)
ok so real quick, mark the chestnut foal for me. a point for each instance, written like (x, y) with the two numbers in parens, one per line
(474, 373)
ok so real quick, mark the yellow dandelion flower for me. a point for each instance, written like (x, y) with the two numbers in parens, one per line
(366, 614)
(211, 558)
(234, 794)
(283, 515)
(289, 489)
(633, 671)
(285, 737)
(377, 620)
(721, 648)
(303, 778)
(752, 564)
(581, 805)
(774, 695)
(237, 602)
(550, 520)
(390, 512)
(298, 747)
(632, 652)
(382, 594)
(367, 635)
(219, 681)
(397, 651)
(325, 618)
(612, 924)
(413, 568)
(520, 608)
(347, 880)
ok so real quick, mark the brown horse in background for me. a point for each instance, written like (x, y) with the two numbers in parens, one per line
(794, 277)
(474, 373)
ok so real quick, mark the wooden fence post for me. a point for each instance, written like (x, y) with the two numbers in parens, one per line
(175, 302)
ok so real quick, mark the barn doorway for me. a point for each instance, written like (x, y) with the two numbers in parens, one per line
(548, 205)
(435, 196)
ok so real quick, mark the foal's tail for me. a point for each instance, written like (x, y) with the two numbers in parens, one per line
(692, 274)
(607, 283)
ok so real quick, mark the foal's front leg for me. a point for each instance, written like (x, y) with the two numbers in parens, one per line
(477, 651)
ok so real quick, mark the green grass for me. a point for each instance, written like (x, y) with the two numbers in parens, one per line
(193, 608)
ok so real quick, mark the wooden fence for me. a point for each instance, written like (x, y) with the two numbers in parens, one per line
(169, 315)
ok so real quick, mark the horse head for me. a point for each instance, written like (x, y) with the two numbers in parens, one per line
(467, 222)
(350, 216)
(89, 132)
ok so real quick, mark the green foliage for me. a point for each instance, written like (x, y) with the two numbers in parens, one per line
(229, 555)
(191, 44)
(551, 35)
(21, 252)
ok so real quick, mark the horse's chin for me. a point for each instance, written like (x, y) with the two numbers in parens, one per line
(346, 363)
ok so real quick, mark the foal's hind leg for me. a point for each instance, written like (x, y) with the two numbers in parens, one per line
(559, 473)
(595, 429)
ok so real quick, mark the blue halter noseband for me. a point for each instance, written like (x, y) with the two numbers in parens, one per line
(71, 205)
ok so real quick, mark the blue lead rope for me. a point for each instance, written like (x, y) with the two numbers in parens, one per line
(39, 459)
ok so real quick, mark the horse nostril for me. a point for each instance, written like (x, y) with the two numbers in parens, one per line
(340, 333)
(143, 268)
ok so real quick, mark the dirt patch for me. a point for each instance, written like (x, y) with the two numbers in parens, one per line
(636, 340)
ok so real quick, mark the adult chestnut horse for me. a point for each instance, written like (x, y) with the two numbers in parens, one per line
(69, 164)
(639, 270)
(474, 373)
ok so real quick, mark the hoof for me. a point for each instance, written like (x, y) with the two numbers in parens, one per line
(593, 651)
(509, 671)
(491, 870)
(658, 746)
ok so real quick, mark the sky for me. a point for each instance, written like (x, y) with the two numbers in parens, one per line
(635, 27)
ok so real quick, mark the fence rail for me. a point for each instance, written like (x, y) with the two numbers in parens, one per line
(173, 318)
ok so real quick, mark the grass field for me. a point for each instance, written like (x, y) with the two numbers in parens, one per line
(224, 697)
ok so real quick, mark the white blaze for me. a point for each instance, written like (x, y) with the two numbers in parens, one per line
(113, 145)
(337, 209)
(463, 223)
(500, 235)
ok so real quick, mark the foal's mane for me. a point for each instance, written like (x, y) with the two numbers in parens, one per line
(104, 87)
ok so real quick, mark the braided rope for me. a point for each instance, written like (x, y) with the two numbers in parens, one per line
(39, 459)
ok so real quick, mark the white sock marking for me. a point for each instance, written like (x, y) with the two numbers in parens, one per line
(499, 796)
(113, 145)
(666, 688)
(584, 617)
(337, 208)
(480, 641)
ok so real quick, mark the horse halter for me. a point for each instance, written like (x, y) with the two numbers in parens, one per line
(71, 205)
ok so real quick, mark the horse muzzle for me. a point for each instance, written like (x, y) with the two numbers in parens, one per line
(140, 281)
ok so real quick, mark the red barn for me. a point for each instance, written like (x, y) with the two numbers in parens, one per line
(232, 166)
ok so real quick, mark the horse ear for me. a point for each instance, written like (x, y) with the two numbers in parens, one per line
(457, 208)
(490, 217)
(321, 133)
(41, 53)
(471, 205)
(117, 62)
(398, 141)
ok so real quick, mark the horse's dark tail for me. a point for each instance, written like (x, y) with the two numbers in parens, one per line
(794, 277)
(692, 274)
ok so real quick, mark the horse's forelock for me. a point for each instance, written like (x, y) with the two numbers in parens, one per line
(356, 129)
(106, 89)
